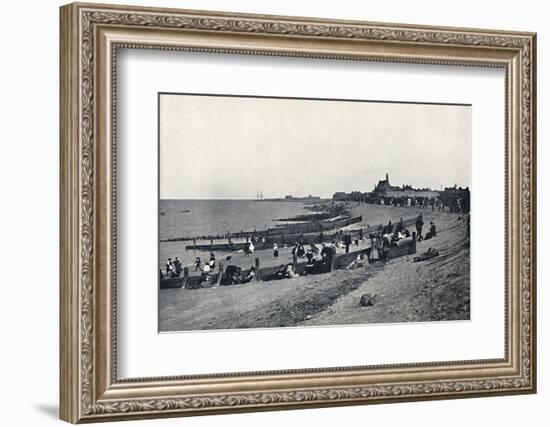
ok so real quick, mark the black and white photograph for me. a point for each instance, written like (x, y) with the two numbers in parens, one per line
(283, 212)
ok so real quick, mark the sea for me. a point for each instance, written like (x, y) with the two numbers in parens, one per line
(182, 218)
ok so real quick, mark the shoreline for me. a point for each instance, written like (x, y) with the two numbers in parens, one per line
(406, 291)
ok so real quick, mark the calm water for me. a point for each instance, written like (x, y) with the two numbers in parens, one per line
(213, 217)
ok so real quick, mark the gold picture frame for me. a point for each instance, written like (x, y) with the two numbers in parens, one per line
(90, 36)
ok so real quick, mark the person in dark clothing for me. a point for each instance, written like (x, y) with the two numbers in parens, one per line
(326, 258)
(419, 225)
(431, 233)
(177, 266)
(310, 264)
(282, 272)
(347, 242)
(326, 252)
(232, 275)
(170, 267)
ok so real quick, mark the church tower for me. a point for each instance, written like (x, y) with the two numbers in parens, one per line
(387, 178)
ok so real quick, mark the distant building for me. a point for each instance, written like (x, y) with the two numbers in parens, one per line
(384, 185)
(456, 198)
(340, 195)
(387, 194)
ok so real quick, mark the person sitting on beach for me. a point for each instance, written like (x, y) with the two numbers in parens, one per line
(177, 266)
(212, 261)
(169, 267)
(326, 252)
(314, 249)
(356, 263)
(290, 273)
(232, 275)
(205, 276)
(281, 272)
(275, 250)
(300, 253)
(198, 264)
(250, 275)
(430, 234)
(395, 237)
(310, 264)
(387, 239)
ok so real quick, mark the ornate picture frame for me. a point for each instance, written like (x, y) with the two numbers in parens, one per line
(90, 37)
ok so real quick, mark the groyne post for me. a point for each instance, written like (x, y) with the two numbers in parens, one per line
(220, 274)
(185, 276)
(194, 243)
(333, 260)
(257, 268)
(413, 248)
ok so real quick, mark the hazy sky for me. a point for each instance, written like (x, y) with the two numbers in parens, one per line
(216, 147)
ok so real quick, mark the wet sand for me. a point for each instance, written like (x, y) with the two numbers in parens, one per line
(406, 291)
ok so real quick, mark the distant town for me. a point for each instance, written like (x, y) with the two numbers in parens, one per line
(288, 198)
(457, 199)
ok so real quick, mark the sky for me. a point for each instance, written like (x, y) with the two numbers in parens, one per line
(221, 147)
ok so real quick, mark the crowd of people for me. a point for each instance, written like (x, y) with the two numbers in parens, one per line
(172, 269)
(318, 260)
(233, 275)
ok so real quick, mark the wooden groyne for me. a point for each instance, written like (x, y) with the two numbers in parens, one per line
(316, 226)
(285, 238)
(340, 261)
(294, 228)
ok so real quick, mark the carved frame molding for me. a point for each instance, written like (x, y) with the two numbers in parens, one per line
(89, 387)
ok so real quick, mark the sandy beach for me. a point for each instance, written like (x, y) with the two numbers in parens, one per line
(405, 291)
